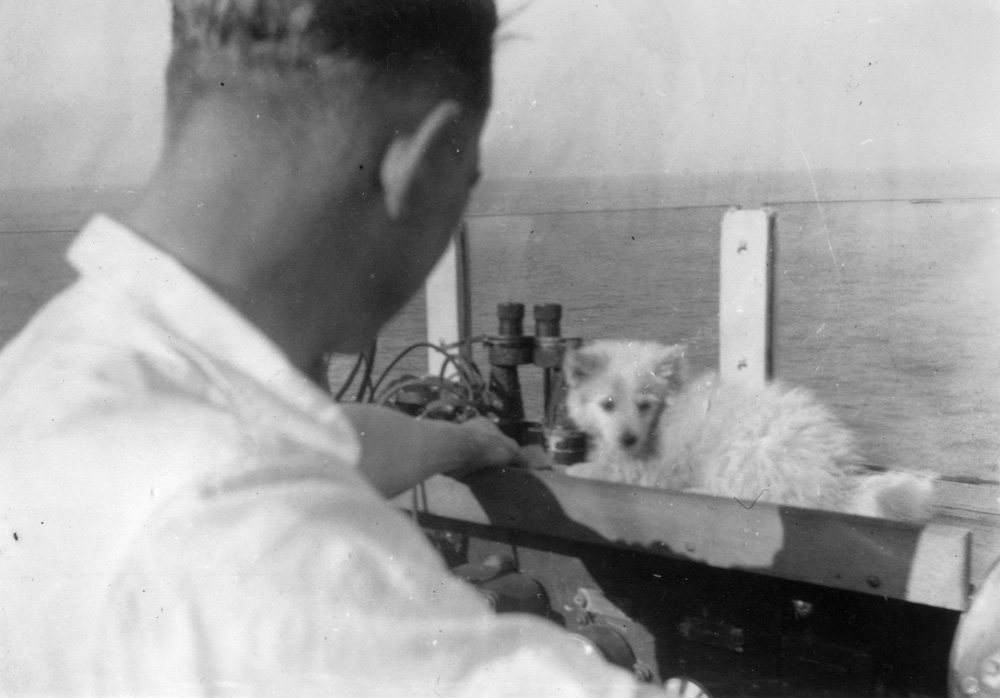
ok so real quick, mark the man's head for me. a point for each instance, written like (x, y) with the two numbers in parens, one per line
(324, 151)
(398, 48)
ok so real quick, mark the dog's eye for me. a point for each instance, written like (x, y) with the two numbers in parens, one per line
(608, 404)
(647, 404)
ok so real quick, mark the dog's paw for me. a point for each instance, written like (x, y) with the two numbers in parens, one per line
(591, 470)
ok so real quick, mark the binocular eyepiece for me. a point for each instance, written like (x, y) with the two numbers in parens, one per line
(511, 348)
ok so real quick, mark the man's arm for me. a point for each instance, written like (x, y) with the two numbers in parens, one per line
(398, 452)
(299, 587)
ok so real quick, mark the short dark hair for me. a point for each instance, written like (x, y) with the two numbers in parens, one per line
(393, 42)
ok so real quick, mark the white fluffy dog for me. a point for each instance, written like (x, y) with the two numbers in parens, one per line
(649, 424)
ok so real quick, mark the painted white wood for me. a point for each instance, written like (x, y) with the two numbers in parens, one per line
(745, 287)
(448, 302)
(926, 564)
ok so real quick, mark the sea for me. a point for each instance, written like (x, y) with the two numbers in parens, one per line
(887, 286)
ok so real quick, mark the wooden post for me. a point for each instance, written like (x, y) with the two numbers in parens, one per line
(448, 302)
(745, 295)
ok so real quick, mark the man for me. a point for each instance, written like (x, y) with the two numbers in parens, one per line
(183, 510)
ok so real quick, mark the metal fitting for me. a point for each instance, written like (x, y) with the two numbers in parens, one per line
(509, 351)
(565, 445)
(549, 351)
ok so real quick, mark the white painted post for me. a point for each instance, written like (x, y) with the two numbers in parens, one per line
(449, 306)
(745, 295)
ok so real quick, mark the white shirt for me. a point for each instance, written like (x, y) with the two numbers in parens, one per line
(180, 513)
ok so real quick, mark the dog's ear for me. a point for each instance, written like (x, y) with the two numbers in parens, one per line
(581, 364)
(672, 365)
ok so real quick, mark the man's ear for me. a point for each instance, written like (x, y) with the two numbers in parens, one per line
(407, 154)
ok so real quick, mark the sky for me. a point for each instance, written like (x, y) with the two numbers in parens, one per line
(583, 88)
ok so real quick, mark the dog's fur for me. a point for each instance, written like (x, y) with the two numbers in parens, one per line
(649, 424)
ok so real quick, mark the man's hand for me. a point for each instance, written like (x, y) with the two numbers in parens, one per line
(398, 452)
(493, 447)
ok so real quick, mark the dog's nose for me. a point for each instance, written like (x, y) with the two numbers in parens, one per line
(628, 439)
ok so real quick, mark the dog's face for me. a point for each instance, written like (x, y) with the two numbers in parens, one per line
(618, 390)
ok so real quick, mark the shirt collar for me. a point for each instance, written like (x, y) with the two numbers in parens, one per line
(108, 251)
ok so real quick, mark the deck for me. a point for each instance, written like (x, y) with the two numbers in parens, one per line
(565, 530)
